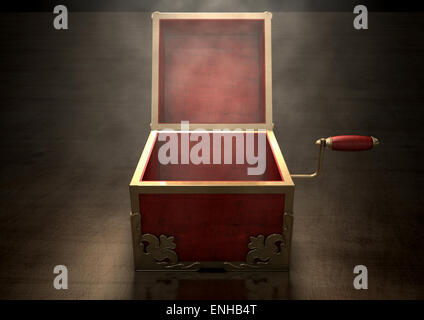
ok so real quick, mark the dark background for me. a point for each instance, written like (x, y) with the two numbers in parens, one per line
(75, 117)
(211, 5)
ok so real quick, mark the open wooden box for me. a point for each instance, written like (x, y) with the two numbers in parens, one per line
(214, 71)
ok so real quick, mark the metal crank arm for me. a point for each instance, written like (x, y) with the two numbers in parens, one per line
(340, 143)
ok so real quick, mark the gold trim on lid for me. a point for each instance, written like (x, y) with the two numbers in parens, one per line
(157, 16)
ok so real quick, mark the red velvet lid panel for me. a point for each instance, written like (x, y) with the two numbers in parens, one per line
(211, 71)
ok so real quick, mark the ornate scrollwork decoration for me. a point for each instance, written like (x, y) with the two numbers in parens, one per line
(264, 252)
(153, 253)
(269, 252)
(161, 250)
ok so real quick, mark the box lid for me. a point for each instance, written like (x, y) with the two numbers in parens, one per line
(211, 69)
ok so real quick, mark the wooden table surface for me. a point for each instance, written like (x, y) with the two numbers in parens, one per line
(75, 116)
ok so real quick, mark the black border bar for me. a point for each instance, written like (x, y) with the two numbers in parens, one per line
(264, 309)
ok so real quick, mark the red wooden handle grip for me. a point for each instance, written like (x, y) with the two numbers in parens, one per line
(351, 143)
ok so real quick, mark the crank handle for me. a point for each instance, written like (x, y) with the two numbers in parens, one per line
(340, 143)
(350, 143)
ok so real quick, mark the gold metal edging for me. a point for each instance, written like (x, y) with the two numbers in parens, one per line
(278, 157)
(157, 16)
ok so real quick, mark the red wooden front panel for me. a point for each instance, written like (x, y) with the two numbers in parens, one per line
(211, 227)
(211, 71)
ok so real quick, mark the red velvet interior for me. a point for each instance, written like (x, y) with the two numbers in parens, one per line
(211, 71)
(155, 171)
(212, 227)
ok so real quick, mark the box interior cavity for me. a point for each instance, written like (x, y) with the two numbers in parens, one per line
(156, 170)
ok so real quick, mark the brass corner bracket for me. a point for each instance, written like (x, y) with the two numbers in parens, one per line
(268, 253)
(153, 253)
